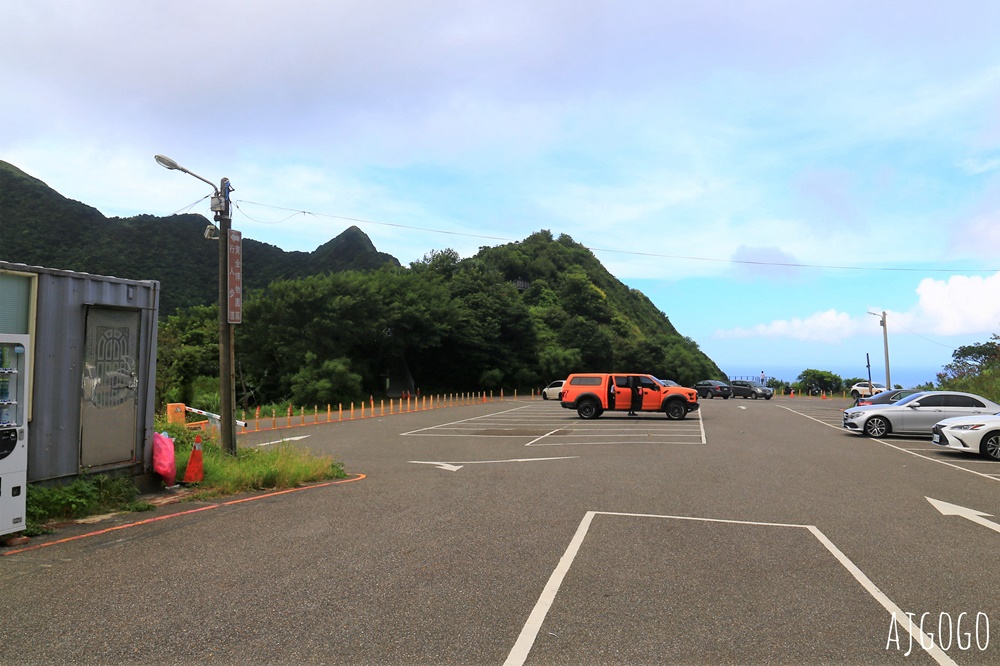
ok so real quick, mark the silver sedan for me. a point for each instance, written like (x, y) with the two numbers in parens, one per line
(915, 414)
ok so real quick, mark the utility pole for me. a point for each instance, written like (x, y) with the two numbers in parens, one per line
(227, 378)
(885, 343)
(221, 206)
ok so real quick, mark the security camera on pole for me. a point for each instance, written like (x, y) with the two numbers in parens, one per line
(230, 299)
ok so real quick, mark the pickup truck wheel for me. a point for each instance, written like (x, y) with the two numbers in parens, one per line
(587, 409)
(676, 410)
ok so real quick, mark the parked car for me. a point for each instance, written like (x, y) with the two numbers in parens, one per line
(915, 414)
(591, 394)
(885, 397)
(866, 389)
(972, 434)
(743, 388)
(552, 391)
(713, 388)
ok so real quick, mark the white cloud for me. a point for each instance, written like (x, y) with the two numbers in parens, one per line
(828, 326)
(974, 167)
(960, 305)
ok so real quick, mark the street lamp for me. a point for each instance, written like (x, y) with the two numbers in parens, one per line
(227, 385)
(885, 342)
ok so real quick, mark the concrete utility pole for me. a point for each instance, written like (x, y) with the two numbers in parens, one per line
(885, 342)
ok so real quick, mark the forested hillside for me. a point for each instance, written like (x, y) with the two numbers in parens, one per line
(515, 316)
(43, 228)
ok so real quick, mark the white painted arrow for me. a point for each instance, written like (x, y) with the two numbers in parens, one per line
(441, 465)
(970, 514)
(455, 466)
(286, 439)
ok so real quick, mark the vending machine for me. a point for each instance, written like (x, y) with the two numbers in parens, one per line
(15, 365)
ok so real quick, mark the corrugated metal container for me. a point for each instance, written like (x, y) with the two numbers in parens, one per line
(93, 346)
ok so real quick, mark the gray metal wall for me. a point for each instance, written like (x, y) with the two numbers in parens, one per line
(63, 299)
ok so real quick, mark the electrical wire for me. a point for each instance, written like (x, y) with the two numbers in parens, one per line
(933, 342)
(901, 269)
(188, 208)
(381, 224)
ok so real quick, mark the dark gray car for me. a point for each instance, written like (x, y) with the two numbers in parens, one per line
(746, 388)
(713, 388)
(885, 397)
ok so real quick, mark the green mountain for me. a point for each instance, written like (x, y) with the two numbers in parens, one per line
(43, 228)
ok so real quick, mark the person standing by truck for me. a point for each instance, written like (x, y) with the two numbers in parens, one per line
(636, 385)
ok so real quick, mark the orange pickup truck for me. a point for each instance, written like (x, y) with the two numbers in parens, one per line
(593, 393)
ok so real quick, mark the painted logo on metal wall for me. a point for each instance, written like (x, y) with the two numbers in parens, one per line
(110, 380)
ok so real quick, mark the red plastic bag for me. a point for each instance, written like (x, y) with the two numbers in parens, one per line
(164, 462)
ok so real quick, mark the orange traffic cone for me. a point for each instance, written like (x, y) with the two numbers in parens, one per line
(195, 472)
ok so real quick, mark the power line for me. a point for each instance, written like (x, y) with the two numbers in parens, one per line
(933, 342)
(628, 252)
(381, 224)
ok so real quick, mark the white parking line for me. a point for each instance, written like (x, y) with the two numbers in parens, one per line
(485, 416)
(537, 439)
(526, 639)
(912, 452)
(520, 421)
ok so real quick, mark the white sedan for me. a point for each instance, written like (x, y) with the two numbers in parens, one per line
(552, 391)
(972, 434)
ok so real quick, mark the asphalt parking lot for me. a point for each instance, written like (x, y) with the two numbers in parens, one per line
(515, 532)
(830, 414)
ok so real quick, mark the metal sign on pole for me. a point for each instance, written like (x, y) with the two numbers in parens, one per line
(235, 272)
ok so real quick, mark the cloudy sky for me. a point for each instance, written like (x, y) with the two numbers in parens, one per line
(767, 172)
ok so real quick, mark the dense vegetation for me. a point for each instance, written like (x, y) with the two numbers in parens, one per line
(514, 317)
(974, 368)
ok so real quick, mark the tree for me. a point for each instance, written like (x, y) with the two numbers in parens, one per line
(815, 381)
(974, 368)
(328, 383)
(188, 348)
(971, 360)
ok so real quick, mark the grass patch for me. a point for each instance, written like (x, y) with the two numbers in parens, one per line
(84, 497)
(277, 467)
(272, 468)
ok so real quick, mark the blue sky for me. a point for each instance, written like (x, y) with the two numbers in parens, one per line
(767, 172)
